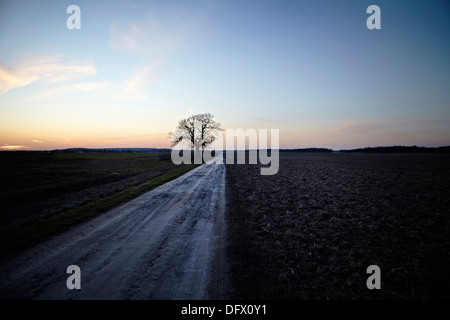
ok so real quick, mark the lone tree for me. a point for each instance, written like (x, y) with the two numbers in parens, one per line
(198, 131)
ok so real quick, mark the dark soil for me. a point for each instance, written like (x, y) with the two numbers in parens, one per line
(311, 230)
(43, 184)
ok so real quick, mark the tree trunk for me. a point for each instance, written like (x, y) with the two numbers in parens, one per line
(197, 155)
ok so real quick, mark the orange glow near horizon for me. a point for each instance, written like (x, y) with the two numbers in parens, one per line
(47, 141)
(13, 147)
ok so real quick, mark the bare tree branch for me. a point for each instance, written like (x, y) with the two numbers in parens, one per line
(198, 130)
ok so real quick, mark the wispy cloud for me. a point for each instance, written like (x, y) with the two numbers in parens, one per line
(36, 141)
(96, 88)
(151, 40)
(146, 38)
(353, 127)
(132, 87)
(149, 37)
(112, 138)
(49, 69)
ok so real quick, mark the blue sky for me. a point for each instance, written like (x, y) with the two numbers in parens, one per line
(311, 69)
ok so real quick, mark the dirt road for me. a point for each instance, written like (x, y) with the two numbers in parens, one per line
(166, 244)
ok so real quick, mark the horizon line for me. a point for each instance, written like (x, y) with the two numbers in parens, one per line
(5, 149)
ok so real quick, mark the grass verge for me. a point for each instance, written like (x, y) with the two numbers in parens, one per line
(43, 228)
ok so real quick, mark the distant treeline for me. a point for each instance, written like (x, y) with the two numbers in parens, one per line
(401, 149)
(392, 149)
(138, 150)
(308, 150)
(112, 150)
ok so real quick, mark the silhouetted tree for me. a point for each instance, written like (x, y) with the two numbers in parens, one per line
(198, 131)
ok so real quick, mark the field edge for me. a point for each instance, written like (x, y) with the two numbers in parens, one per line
(40, 229)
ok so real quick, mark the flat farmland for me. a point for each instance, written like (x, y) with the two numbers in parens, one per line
(311, 230)
(42, 194)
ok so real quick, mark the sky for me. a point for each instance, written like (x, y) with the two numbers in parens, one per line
(312, 69)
